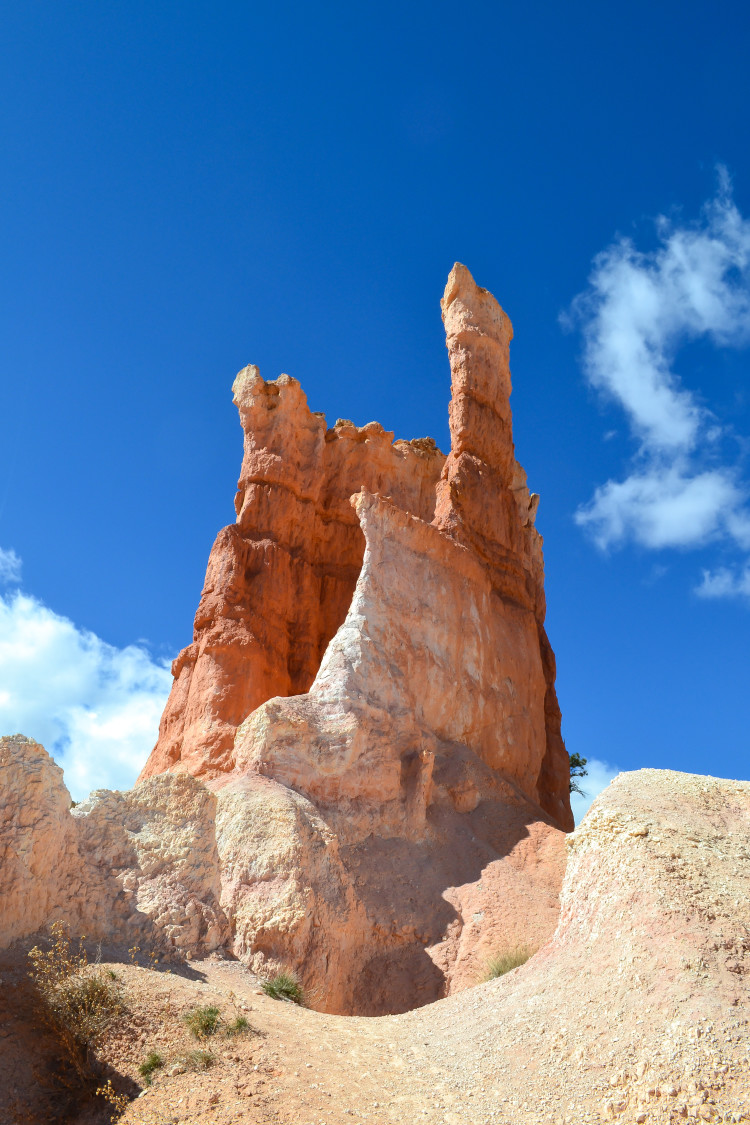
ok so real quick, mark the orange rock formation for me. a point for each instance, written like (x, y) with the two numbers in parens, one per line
(370, 691)
(281, 579)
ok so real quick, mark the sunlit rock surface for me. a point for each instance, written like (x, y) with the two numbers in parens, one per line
(363, 740)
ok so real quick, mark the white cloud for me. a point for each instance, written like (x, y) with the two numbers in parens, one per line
(638, 310)
(10, 567)
(664, 506)
(725, 583)
(95, 707)
(598, 778)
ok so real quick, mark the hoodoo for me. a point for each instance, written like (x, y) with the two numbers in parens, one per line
(282, 579)
(370, 690)
(359, 771)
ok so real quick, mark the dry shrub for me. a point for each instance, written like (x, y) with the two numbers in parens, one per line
(198, 1060)
(502, 963)
(77, 1002)
(202, 1022)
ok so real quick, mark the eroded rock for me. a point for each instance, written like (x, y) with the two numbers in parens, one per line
(370, 640)
(138, 867)
(359, 771)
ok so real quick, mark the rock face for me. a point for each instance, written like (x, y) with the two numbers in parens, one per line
(280, 580)
(363, 740)
(370, 690)
(461, 606)
(137, 867)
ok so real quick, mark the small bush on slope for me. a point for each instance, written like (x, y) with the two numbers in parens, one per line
(502, 963)
(199, 1060)
(152, 1062)
(285, 986)
(202, 1022)
(77, 1002)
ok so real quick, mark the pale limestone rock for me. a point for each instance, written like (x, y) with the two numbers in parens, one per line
(140, 866)
(39, 863)
(151, 864)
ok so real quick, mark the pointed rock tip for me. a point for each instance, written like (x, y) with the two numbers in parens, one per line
(481, 307)
(246, 377)
(458, 279)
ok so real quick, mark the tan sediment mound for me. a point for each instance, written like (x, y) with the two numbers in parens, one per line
(637, 1011)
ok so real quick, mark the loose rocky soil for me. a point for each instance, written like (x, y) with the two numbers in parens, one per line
(637, 1011)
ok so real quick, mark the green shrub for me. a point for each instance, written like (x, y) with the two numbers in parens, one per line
(199, 1060)
(285, 986)
(238, 1026)
(202, 1022)
(152, 1062)
(76, 1001)
(502, 963)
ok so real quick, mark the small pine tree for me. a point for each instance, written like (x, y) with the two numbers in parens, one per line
(577, 769)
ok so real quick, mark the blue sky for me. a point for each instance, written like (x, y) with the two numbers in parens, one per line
(187, 188)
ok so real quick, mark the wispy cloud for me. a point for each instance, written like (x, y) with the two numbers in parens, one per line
(95, 707)
(636, 313)
(725, 583)
(10, 568)
(599, 775)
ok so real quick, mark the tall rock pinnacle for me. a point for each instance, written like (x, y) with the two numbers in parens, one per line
(369, 660)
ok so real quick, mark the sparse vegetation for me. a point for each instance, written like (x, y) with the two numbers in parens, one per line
(202, 1022)
(502, 963)
(238, 1026)
(151, 1063)
(285, 985)
(199, 1060)
(77, 1001)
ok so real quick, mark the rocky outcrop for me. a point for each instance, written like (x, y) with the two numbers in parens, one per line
(38, 854)
(257, 870)
(370, 660)
(363, 736)
(136, 867)
(281, 580)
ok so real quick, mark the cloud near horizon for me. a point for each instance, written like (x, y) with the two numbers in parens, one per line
(636, 313)
(94, 707)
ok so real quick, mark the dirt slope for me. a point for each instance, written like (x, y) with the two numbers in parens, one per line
(636, 1011)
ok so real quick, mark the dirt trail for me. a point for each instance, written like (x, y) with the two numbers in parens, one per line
(637, 1011)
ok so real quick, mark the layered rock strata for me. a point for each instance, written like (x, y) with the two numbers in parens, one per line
(280, 581)
(370, 665)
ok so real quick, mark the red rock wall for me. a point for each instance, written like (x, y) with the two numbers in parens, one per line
(279, 582)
